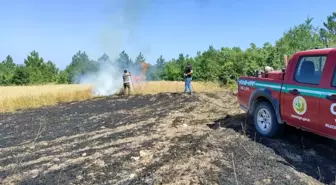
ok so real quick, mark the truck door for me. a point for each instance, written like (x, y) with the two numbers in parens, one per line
(300, 94)
(327, 111)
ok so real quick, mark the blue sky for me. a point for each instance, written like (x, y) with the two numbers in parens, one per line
(58, 29)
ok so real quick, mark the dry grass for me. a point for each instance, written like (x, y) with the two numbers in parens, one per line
(21, 97)
(155, 87)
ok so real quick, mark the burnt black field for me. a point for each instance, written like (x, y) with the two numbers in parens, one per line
(168, 138)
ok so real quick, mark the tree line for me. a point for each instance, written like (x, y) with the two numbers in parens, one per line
(222, 65)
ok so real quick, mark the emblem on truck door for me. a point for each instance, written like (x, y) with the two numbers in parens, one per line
(299, 105)
(333, 109)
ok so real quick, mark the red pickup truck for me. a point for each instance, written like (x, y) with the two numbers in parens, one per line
(303, 95)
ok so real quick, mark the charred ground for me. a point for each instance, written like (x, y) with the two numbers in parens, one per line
(156, 139)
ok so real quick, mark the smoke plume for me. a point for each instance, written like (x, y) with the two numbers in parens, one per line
(106, 81)
(124, 20)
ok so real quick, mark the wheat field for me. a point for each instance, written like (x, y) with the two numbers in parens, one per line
(22, 97)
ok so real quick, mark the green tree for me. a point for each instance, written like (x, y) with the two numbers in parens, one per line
(328, 33)
(33, 60)
(34, 63)
(208, 65)
(124, 61)
(140, 58)
(7, 68)
(81, 64)
(172, 71)
(302, 37)
(160, 62)
(63, 77)
(9, 62)
(21, 75)
(104, 59)
(155, 71)
(49, 72)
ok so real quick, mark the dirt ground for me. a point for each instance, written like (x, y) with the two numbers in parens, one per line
(156, 139)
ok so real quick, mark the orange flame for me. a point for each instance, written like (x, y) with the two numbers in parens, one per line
(142, 76)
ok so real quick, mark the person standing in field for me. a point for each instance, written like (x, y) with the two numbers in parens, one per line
(188, 77)
(126, 80)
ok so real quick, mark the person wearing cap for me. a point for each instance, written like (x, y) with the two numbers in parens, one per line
(126, 81)
(188, 77)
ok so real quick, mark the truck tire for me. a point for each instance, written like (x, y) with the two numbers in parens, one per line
(265, 120)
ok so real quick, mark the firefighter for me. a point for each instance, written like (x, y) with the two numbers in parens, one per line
(126, 80)
(188, 77)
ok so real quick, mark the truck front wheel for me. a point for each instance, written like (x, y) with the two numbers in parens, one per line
(265, 121)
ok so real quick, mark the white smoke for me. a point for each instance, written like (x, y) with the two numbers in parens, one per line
(106, 81)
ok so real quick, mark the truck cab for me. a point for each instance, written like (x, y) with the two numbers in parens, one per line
(303, 95)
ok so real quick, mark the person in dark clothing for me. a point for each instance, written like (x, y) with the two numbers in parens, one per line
(188, 77)
(126, 81)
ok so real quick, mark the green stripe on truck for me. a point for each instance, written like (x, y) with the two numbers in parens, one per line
(306, 91)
